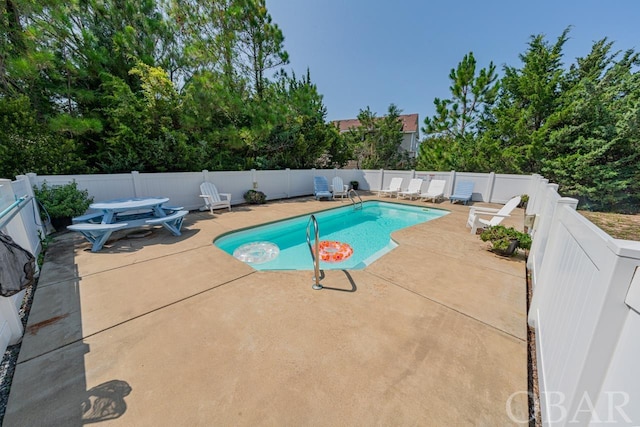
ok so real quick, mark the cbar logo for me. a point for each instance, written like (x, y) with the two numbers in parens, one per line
(612, 411)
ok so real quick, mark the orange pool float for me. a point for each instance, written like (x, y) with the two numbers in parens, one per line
(332, 251)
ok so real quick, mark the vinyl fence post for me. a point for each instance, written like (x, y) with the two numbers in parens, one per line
(33, 179)
(137, 186)
(532, 191)
(39, 226)
(491, 180)
(288, 182)
(452, 181)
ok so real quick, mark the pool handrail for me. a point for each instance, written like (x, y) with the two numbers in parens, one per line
(316, 259)
(356, 205)
(8, 213)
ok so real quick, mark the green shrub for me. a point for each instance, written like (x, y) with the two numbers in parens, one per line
(255, 197)
(63, 201)
(500, 238)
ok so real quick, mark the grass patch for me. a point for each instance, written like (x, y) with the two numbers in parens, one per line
(618, 226)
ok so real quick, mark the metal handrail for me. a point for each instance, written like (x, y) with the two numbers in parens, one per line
(356, 205)
(316, 260)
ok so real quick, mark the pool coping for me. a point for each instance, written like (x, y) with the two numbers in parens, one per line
(361, 265)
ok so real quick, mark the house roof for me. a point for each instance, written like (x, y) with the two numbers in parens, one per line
(409, 123)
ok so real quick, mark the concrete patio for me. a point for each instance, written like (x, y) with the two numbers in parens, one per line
(166, 330)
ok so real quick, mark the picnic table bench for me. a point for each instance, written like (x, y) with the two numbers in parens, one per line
(122, 214)
(93, 218)
(97, 234)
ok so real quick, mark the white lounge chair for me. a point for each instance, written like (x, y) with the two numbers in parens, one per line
(394, 187)
(497, 215)
(413, 190)
(213, 199)
(338, 188)
(435, 190)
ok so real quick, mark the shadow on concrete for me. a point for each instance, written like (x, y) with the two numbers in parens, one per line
(105, 402)
(349, 278)
(132, 241)
(49, 386)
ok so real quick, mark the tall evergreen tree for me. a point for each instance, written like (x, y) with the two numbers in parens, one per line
(454, 127)
(261, 42)
(593, 148)
(518, 128)
(153, 85)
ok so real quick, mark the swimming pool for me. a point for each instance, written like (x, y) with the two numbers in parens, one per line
(367, 231)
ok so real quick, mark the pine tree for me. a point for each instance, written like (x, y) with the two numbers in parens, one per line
(517, 127)
(454, 128)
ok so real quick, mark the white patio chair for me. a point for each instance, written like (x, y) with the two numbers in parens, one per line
(338, 188)
(497, 215)
(213, 199)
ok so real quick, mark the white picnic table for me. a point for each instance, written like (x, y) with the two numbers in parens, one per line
(125, 213)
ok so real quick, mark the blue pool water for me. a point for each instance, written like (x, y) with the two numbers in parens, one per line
(367, 231)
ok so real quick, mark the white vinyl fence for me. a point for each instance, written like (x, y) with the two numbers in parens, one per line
(18, 219)
(585, 310)
(183, 188)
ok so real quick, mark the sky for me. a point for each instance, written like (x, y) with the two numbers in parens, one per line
(373, 53)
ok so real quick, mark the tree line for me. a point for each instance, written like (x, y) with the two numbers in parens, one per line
(111, 86)
(106, 86)
(579, 126)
